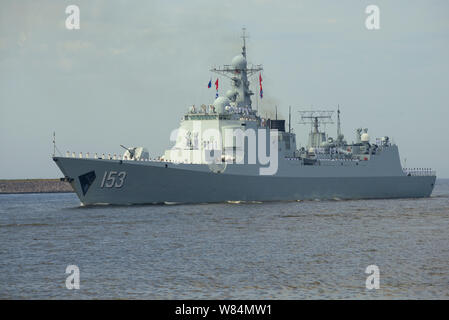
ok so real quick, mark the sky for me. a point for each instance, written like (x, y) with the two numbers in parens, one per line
(134, 67)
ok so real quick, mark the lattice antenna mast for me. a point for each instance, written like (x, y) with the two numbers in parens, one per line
(316, 118)
(338, 122)
(244, 36)
(239, 73)
(230, 72)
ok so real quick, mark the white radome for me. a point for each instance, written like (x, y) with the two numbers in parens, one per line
(239, 62)
(220, 104)
(365, 137)
(230, 94)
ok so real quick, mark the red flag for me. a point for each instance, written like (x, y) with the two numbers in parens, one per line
(216, 84)
(260, 79)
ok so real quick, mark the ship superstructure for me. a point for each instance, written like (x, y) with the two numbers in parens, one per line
(225, 151)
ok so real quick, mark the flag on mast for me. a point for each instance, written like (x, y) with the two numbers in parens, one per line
(260, 84)
(210, 83)
(216, 88)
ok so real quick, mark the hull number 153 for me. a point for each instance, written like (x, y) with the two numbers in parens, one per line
(113, 179)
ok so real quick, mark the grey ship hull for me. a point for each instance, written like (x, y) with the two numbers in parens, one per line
(157, 182)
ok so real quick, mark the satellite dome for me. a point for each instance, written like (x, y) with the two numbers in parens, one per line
(239, 62)
(231, 94)
(220, 104)
(365, 137)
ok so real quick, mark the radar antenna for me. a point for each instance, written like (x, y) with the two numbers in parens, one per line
(239, 72)
(316, 118)
(229, 71)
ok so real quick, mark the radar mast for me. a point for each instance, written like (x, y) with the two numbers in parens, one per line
(316, 118)
(338, 122)
(244, 36)
(238, 71)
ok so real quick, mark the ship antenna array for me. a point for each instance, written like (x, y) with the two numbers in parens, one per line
(316, 118)
(229, 71)
(244, 36)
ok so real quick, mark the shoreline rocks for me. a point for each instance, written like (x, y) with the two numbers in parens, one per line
(34, 186)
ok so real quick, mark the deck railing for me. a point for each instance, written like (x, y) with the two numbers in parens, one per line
(419, 172)
(107, 156)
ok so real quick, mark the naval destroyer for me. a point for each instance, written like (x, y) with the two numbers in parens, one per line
(226, 151)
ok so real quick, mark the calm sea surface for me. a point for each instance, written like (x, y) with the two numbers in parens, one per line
(277, 250)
